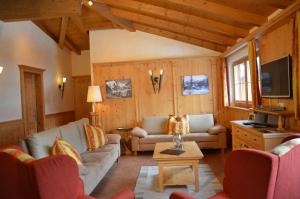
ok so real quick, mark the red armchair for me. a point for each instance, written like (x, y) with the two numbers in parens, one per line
(257, 174)
(55, 177)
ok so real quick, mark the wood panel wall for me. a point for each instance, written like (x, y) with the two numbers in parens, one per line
(277, 43)
(82, 108)
(12, 131)
(128, 112)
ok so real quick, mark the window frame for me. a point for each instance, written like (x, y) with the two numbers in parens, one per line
(241, 103)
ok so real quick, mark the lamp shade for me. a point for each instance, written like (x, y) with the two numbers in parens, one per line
(94, 94)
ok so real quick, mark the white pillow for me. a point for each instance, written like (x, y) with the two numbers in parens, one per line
(285, 147)
(139, 132)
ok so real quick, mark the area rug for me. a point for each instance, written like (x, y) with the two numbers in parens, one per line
(147, 184)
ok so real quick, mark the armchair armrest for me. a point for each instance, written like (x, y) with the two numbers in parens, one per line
(57, 176)
(217, 129)
(258, 167)
(113, 138)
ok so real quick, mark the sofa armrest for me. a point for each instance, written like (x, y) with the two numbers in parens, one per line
(217, 129)
(113, 138)
(135, 143)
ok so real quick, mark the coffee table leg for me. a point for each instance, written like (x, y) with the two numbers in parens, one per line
(196, 175)
(161, 178)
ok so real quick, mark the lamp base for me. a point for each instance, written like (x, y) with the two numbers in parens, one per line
(95, 119)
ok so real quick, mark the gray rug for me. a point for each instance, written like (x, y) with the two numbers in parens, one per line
(147, 184)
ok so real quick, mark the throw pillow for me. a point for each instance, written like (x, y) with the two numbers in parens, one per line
(20, 155)
(285, 147)
(61, 147)
(171, 123)
(95, 137)
(180, 125)
(139, 132)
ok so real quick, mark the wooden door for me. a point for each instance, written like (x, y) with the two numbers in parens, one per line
(32, 98)
(82, 108)
(30, 102)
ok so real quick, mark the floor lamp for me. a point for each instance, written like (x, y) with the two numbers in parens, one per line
(94, 96)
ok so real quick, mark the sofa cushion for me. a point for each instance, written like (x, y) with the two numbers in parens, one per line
(201, 123)
(41, 143)
(70, 133)
(80, 125)
(198, 137)
(155, 124)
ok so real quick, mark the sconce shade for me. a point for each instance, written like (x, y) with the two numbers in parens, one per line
(1, 69)
(94, 94)
(64, 79)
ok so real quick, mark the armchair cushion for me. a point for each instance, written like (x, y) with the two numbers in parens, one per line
(139, 132)
(216, 130)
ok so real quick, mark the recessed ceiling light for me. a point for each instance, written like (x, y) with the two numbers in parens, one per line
(90, 2)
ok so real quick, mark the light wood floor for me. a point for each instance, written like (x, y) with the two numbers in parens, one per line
(123, 175)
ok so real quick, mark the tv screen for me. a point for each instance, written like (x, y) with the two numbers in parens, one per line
(276, 78)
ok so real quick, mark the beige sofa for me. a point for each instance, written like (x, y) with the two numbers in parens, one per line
(95, 164)
(202, 130)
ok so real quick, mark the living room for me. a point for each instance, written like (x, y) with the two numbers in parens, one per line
(149, 99)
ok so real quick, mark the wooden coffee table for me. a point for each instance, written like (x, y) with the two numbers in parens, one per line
(178, 169)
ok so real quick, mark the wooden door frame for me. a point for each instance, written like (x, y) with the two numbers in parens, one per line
(40, 101)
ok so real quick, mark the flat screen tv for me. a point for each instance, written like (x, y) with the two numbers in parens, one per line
(276, 78)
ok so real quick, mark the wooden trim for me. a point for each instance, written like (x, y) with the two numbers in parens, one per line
(81, 76)
(266, 27)
(40, 95)
(238, 108)
(59, 113)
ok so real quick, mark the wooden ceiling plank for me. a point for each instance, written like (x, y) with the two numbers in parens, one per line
(63, 31)
(289, 11)
(68, 43)
(21, 10)
(221, 10)
(179, 37)
(77, 20)
(105, 11)
(101, 25)
(159, 23)
(281, 4)
(177, 16)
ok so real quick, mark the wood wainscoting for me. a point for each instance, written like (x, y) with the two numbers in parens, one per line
(58, 119)
(12, 131)
(128, 112)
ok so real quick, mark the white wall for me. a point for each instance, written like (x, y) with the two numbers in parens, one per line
(122, 45)
(24, 43)
(81, 63)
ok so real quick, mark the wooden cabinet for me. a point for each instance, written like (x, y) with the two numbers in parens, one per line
(244, 136)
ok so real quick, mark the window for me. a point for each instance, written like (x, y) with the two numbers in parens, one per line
(242, 83)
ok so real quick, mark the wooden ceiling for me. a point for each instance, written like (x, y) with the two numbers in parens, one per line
(212, 24)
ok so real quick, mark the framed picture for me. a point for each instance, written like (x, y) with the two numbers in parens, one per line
(195, 85)
(118, 88)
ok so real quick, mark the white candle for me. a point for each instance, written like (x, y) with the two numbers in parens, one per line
(150, 72)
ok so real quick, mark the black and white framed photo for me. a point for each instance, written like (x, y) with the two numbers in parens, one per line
(195, 85)
(118, 88)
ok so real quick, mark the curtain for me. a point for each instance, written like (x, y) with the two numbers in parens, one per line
(256, 100)
(296, 65)
(225, 82)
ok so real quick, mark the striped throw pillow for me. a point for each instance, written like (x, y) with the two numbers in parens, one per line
(95, 137)
(61, 147)
(20, 155)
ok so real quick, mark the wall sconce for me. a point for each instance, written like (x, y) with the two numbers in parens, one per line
(1, 69)
(156, 81)
(61, 87)
(90, 3)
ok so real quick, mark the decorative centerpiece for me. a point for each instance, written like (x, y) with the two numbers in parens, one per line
(178, 131)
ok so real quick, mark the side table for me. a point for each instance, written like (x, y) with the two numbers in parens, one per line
(125, 139)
